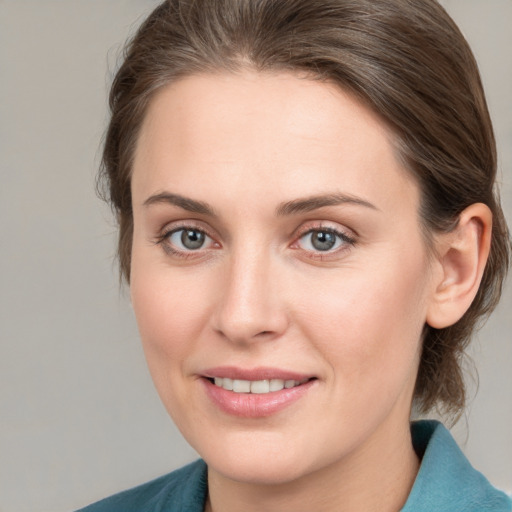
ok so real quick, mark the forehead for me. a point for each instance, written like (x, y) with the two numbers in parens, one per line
(279, 132)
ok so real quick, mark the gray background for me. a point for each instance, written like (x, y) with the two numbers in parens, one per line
(79, 418)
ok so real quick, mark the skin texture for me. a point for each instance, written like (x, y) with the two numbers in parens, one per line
(258, 294)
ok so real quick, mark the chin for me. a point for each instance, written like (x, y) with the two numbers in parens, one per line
(258, 470)
(263, 458)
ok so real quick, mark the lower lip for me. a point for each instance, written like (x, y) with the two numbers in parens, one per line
(253, 405)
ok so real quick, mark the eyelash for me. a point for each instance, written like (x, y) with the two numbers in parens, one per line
(346, 241)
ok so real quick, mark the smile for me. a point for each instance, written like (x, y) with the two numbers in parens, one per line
(255, 393)
(259, 387)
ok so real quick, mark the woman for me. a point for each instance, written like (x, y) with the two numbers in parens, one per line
(310, 231)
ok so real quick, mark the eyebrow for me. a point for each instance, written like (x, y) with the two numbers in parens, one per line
(294, 207)
(185, 203)
(309, 204)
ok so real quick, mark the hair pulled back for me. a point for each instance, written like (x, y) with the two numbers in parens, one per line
(404, 59)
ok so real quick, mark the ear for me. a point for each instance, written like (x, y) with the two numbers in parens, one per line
(461, 256)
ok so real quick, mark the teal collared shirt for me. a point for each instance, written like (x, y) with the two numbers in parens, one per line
(446, 482)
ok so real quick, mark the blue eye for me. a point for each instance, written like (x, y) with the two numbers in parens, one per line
(322, 240)
(188, 239)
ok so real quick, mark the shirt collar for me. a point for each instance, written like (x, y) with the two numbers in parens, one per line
(446, 481)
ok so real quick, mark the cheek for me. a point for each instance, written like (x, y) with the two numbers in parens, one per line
(170, 311)
(170, 308)
(371, 324)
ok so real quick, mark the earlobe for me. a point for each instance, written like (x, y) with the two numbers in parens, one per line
(461, 257)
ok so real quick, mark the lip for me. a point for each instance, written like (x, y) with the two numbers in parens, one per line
(260, 373)
(249, 405)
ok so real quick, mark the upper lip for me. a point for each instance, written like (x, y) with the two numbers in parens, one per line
(260, 373)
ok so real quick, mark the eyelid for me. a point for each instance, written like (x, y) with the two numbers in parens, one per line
(186, 224)
(332, 227)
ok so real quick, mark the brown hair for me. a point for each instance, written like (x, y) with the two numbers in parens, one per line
(405, 59)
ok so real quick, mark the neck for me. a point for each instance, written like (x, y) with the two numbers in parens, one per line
(378, 477)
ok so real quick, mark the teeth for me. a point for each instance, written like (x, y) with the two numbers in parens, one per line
(241, 386)
(256, 386)
(276, 384)
(260, 386)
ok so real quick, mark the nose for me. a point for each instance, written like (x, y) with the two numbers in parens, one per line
(249, 304)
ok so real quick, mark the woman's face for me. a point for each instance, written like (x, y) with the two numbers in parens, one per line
(277, 248)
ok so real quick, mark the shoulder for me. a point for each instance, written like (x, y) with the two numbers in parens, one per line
(181, 490)
(446, 481)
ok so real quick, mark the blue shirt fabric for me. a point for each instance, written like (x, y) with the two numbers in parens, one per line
(446, 482)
